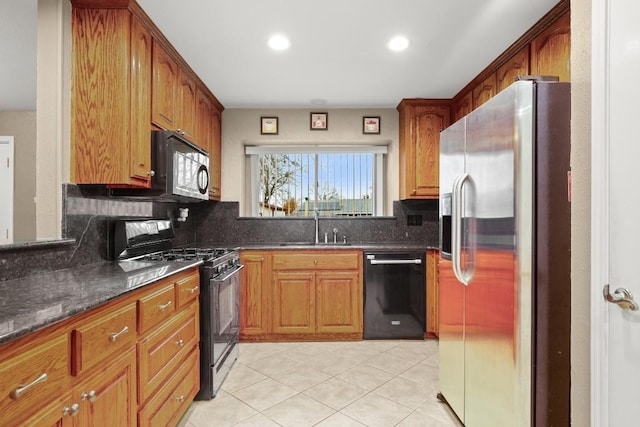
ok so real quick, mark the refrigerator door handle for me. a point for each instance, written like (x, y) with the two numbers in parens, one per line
(457, 207)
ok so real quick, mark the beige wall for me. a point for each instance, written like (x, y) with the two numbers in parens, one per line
(241, 127)
(22, 126)
(580, 212)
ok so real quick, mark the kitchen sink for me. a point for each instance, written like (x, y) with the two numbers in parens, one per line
(323, 245)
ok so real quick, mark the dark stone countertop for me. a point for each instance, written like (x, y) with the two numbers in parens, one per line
(34, 302)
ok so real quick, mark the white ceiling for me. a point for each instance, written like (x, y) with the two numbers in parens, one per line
(337, 53)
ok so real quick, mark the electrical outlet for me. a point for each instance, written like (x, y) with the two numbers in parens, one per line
(414, 219)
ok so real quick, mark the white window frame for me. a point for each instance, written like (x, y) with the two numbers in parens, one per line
(378, 174)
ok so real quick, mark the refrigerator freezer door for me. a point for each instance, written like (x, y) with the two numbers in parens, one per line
(451, 291)
(499, 160)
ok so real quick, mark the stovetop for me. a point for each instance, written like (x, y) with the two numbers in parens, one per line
(186, 254)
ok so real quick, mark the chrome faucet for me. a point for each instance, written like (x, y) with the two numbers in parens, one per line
(316, 217)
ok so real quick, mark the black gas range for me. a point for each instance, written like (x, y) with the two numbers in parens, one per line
(151, 241)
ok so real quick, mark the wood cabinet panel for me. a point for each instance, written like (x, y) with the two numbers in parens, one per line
(432, 293)
(338, 302)
(215, 157)
(156, 307)
(109, 62)
(32, 377)
(56, 413)
(517, 65)
(315, 261)
(108, 398)
(293, 302)
(164, 89)
(255, 286)
(141, 60)
(462, 107)
(187, 289)
(174, 397)
(419, 147)
(484, 91)
(161, 352)
(101, 336)
(186, 102)
(550, 50)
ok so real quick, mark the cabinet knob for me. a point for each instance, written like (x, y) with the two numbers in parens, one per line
(71, 410)
(162, 307)
(194, 289)
(180, 343)
(180, 398)
(91, 396)
(413, 191)
(151, 173)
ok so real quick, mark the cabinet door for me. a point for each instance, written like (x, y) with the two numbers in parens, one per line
(517, 65)
(550, 50)
(164, 88)
(186, 103)
(215, 159)
(462, 107)
(432, 293)
(140, 147)
(204, 111)
(423, 162)
(338, 302)
(293, 302)
(484, 91)
(108, 398)
(57, 413)
(254, 294)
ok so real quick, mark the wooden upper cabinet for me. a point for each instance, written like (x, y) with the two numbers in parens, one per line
(215, 157)
(550, 50)
(110, 126)
(141, 59)
(164, 111)
(187, 105)
(484, 91)
(462, 107)
(419, 146)
(517, 65)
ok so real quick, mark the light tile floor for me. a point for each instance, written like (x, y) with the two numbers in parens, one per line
(342, 384)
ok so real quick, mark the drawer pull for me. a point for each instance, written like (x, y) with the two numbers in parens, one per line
(71, 410)
(162, 307)
(91, 396)
(193, 290)
(180, 343)
(114, 336)
(15, 394)
(180, 398)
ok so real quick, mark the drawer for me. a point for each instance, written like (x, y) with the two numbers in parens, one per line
(101, 336)
(156, 307)
(162, 351)
(20, 390)
(172, 400)
(315, 261)
(187, 289)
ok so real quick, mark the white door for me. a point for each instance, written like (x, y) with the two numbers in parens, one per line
(6, 189)
(615, 211)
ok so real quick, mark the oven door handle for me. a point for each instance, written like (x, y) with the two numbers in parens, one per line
(395, 261)
(226, 276)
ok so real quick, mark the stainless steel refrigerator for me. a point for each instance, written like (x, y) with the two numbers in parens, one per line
(504, 270)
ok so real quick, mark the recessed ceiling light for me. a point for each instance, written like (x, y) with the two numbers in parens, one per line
(398, 43)
(279, 42)
(318, 101)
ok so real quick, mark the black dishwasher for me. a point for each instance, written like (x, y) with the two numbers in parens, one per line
(394, 295)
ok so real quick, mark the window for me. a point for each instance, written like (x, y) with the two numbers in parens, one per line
(336, 181)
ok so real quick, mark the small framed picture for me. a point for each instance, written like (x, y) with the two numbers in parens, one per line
(319, 121)
(268, 125)
(371, 124)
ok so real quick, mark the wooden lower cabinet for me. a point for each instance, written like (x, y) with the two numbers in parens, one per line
(255, 280)
(303, 295)
(108, 397)
(432, 294)
(91, 369)
(294, 307)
